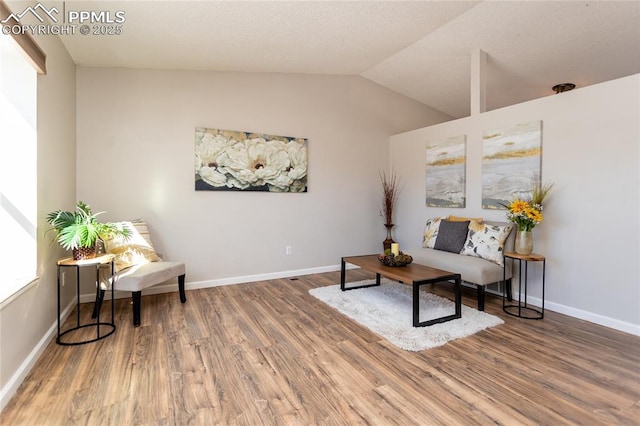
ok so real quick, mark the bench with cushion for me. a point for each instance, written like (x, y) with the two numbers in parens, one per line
(472, 247)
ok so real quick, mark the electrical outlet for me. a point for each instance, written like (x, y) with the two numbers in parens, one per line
(287, 250)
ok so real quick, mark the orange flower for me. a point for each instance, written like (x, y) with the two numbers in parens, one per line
(518, 206)
(534, 215)
(524, 214)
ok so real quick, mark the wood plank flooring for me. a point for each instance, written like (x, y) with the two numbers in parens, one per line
(268, 353)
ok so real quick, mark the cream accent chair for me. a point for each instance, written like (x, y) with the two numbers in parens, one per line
(139, 277)
(139, 267)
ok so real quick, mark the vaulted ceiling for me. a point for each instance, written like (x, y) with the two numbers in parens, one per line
(421, 49)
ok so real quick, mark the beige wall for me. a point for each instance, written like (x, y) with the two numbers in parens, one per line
(26, 322)
(135, 131)
(136, 160)
(591, 230)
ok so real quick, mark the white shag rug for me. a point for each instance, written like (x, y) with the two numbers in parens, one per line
(388, 311)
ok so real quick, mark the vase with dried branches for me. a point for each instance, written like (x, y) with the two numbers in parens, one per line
(389, 196)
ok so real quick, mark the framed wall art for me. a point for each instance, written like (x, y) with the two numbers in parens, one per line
(445, 172)
(229, 160)
(511, 163)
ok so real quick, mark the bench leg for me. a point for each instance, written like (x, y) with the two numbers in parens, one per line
(183, 297)
(137, 298)
(481, 294)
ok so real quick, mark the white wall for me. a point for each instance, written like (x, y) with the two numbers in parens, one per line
(136, 160)
(591, 231)
(28, 321)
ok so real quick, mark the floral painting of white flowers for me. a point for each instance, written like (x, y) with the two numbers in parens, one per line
(445, 172)
(510, 163)
(228, 160)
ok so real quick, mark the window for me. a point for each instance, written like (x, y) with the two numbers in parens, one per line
(18, 169)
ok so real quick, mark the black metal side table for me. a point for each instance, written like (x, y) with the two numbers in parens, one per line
(522, 310)
(102, 328)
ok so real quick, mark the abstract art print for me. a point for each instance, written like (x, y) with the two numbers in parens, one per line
(445, 172)
(511, 163)
(229, 160)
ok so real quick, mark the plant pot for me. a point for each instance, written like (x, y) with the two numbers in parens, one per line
(524, 242)
(84, 253)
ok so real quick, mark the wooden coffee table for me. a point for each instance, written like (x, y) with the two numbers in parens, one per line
(413, 274)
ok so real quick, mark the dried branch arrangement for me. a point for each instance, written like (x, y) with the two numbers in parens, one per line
(390, 194)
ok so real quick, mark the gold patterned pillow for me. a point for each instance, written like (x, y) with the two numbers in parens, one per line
(136, 250)
(431, 232)
(475, 221)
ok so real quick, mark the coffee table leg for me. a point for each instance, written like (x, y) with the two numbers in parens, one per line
(343, 287)
(458, 290)
(416, 302)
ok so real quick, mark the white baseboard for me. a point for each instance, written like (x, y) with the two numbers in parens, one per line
(555, 307)
(10, 388)
(16, 379)
(173, 286)
(584, 315)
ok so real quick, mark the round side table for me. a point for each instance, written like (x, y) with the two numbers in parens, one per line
(102, 328)
(521, 309)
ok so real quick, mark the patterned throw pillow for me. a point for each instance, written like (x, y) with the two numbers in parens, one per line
(137, 250)
(487, 242)
(431, 232)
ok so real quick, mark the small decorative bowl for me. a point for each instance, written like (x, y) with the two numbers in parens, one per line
(400, 260)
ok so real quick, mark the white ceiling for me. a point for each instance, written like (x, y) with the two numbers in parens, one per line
(421, 49)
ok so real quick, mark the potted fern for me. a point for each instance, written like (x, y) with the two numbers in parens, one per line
(80, 230)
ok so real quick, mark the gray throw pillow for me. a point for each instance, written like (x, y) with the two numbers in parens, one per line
(451, 236)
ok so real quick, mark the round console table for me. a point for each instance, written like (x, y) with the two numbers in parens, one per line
(102, 328)
(521, 309)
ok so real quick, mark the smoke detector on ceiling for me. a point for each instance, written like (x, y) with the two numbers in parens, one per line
(563, 87)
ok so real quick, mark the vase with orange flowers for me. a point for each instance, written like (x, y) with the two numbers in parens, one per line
(526, 214)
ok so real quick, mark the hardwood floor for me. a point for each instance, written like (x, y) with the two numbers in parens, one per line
(269, 353)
